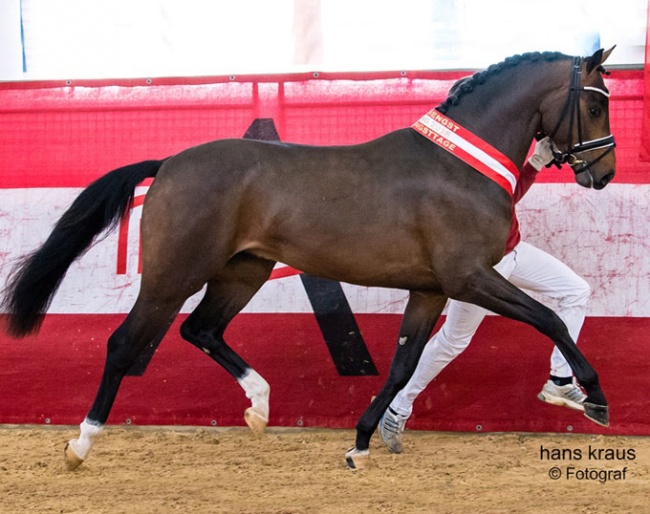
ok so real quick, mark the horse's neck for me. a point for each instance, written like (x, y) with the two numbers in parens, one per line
(505, 112)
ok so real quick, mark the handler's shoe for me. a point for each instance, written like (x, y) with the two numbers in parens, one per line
(391, 427)
(569, 395)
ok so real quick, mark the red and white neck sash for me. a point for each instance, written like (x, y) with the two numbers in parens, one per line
(471, 149)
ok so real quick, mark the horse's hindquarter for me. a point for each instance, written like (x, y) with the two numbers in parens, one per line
(373, 214)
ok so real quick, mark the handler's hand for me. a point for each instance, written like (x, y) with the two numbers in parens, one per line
(543, 154)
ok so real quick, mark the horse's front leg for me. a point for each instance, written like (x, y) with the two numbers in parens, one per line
(422, 312)
(491, 291)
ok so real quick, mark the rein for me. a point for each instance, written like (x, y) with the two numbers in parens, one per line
(572, 108)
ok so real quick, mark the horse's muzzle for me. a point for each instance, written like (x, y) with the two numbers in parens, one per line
(586, 179)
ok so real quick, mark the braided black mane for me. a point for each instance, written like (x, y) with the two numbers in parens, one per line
(467, 84)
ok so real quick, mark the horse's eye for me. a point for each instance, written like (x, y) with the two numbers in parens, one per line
(595, 112)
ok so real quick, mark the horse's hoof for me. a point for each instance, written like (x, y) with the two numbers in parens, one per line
(72, 460)
(256, 421)
(597, 413)
(358, 459)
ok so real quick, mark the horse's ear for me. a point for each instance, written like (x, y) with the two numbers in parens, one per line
(596, 60)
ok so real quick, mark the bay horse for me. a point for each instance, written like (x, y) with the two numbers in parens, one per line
(398, 212)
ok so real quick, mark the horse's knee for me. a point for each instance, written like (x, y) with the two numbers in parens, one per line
(398, 383)
(400, 371)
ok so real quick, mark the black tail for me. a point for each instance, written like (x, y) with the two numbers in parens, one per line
(36, 278)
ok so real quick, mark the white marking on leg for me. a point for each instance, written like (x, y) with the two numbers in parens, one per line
(402, 340)
(357, 459)
(257, 391)
(89, 432)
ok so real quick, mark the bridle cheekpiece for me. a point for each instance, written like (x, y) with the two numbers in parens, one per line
(572, 109)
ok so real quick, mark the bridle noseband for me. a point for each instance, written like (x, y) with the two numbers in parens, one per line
(572, 108)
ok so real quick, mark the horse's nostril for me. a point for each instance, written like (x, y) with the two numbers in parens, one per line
(608, 178)
(605, 180)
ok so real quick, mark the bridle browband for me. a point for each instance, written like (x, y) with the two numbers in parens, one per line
(572, 108)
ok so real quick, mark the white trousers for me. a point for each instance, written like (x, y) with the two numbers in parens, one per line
(526, 267)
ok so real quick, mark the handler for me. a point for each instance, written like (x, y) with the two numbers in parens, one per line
(527, 267)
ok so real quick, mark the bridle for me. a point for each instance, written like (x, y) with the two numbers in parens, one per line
(572, 108)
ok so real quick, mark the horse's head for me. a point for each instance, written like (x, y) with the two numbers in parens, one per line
(580, 129)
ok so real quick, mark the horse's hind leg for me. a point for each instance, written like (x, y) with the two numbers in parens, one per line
(420, 316)
(226, 295)
(146, 322)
